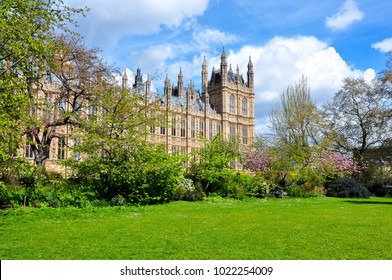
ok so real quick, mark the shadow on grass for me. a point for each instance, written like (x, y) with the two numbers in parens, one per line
(369, 202)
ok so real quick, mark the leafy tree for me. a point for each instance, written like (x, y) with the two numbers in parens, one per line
(295, 127)
(26, 41)
(359, 118)
(115, 157)
(64, 97)
(294, 121)
(214, 164)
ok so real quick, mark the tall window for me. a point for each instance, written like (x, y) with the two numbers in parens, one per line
(244, 136)
(174, 123)
(232, 104)
(244, 107)
(29, 150)
(193, 133)
(232, 131)
(183, 127)
(61, 148)
(62, 105)
(218, 128)
(48, 109)
(90, 111)
(76, 154)
(201, 128)
(48, 77)
(162, 129)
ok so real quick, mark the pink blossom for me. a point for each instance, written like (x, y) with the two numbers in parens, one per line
(257, 161)
(340, 163)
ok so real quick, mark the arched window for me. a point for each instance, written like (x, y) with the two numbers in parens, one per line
(244, 107)
(232, 104)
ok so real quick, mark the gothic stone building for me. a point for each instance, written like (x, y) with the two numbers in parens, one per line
(225, 106)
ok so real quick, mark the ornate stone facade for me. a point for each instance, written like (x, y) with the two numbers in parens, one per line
(225, 106)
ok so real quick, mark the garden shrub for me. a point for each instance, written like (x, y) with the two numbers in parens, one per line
(10, 196)
(187, 191)
(347, 187)
(118, 200)
(378, 189)
(256, 185)
(143, 175)
(278, 191)
(297, 191)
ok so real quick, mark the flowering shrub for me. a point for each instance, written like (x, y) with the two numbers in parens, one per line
(342, 164)
(257, 161)
(186, 190)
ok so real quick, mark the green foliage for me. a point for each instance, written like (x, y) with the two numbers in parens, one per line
(187, 191)
(378, 188)
(213, 168)
(297, 191)
(141, 175)
(27, 32)
(10, 196)
(346, 187)
(118, 200)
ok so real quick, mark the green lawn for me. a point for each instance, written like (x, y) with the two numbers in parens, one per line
(300, 229)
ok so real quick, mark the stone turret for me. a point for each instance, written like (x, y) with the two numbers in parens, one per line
(125, 79)
(138, 79)
(180, 84)
(250, 74)
(223, 67)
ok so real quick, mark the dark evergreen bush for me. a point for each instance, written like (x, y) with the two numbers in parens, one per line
(347, 187)
(380, 188)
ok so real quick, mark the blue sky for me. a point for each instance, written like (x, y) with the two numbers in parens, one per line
(324, 40)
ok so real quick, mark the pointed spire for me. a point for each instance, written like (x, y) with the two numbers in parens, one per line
(237, 75)
(223, 66)
(180, 73)
(204, 62)
(223, 55)
(250, 73)
(250, 64)
(180, 84)
(125, 79)
(167, 80)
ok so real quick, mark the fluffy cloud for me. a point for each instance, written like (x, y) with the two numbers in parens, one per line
(282, 61)
(383, 46)
(109, 21)
(204, 38)
(153, 58)
(347, 14)
(278, 64)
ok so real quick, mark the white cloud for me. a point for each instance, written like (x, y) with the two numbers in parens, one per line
(278, 63)
(383, 46)
(154, 57)
(281, 62)
(204, 38)
(108, 21)
(347, 14)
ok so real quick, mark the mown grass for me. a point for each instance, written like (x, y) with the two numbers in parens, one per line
(298, 229)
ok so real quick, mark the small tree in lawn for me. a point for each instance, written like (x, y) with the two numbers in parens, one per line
(65, 97)
(214, 164)
(27, 39)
